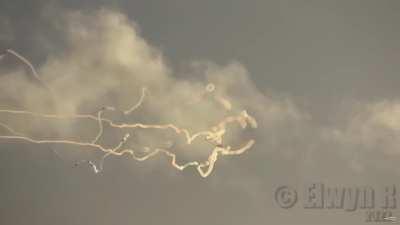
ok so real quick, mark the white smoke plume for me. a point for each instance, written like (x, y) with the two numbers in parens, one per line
(106, 62)
(108, 71)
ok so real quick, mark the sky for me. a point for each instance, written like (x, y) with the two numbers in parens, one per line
(321, 79)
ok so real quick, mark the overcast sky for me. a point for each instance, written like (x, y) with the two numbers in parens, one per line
(321, 78)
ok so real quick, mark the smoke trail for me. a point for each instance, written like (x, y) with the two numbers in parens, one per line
(31, 67)
(133, 108)
(105, 64)
(215, 135)
(204, 168)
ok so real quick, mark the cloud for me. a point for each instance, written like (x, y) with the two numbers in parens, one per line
(370, 137)
(106, 62)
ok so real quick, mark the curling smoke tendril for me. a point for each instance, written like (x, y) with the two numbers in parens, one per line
(214, 135)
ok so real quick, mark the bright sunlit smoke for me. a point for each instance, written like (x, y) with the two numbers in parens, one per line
(104, 66)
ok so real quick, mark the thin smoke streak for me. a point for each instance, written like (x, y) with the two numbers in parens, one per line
(31, 67)
(214, 136)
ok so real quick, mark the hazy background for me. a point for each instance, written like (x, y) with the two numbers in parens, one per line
(322, 78)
